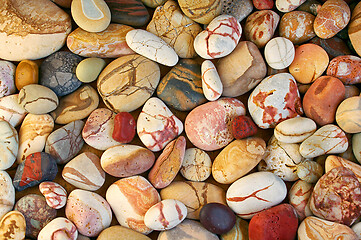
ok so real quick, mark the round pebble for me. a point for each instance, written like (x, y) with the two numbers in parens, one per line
(27, 72)
(196, 165)
(89, 69)
(279, 53)
(217, 218)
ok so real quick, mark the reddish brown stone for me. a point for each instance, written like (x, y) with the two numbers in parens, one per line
(243, 126)
(124, 127)
(263, 4)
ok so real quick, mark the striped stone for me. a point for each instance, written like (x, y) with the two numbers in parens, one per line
(129, 12)
(201, 11)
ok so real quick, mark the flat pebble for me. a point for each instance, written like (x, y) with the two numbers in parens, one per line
(13, 226)
(59, 228)
(7, 195)
(295, 130)
(9, 145)
(89, 69)
(279, 53)
(196, 165)
(55, 195)
(11, 111)
(7, 78)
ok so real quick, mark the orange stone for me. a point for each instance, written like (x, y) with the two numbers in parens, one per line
(27, 72)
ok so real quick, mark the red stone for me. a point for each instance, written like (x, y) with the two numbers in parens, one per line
(243, 126)
(263, 4)
(124, 127)
(279, 222)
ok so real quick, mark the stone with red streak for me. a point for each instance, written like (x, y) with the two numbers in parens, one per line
(55, 195)
(59, 228)
(347, 68)
(263, 4)
(243, 126)
(124, 127)
(299, 196)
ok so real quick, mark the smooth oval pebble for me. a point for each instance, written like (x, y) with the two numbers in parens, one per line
(7, 194)
(89, 69)
(85, 172)
(347, 115)
(299, 196)
(151, 46)
(13, 226)
(288, 6)
(27, 72)
(92, 16)
(37, 99)
(165, 215)
(295, 130)
(347, 68)
(59, 228)
(201, 11)
(279, 53)
(118, 232)
(217, 218)
(124, 127)
(254, 193)
(11, 111)
(7, 81)
(9, 144)
(196, 165)
(54, 194)
(326, 140)
(126, 160)
(211, 82)
(89, 212)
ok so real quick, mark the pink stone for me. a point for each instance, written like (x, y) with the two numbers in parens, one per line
(263, 4)
(124, 127)
(54, 194)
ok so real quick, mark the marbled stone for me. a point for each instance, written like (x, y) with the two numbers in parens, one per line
(347, 68)
(129, 12)
(242, 127)
(59, 228)
(299, 196)
(354, 29)
(55, 195)
(309, 171)
(11, 111)
(197, 165)
(288, 5)
(124, 127)
(347, 115)
(7, 78)
(9, 145)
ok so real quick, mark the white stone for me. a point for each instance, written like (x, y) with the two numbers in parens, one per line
(295, 130)
(7, 82)
(9, 144)
(357, 229)
(59, 228)
(197, 165)
(279, 53)
(211, 82)
(7, 193)
(288, 5)
(151, 46)
(11, 111)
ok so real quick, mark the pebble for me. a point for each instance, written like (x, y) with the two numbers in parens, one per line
(89, 212)
(263, 4)
(219, 39)
(194, 195)
(356, 146)
(37, 99)
(85, 172)
(170, 24)
(92, 16)
(331, 18)
(246, 200)
(238, 232)
(98, 129)
(241, 70)
(131, 12)
(9, 144)
(201, 11)
(295, 130)
(157, 125)
(333, 46)
(109, 43)
(279, 53)
(117, 232)
(309, 63)
(288, 6)
(208, 126)
(57, 72)
(237, 159)
(76, 106)
(128, 82)
(33, 133)
(351, 91)
(261, 26)
(27, 72)
(353, 29)
(217, 218)
(347, 68)
(357, 229)
(323, 229)
(130, 198)
(322, 99)
(65, 143)
(281, 159)
(7, 194)
(326, 140)
(36, 212)
(165, 215)
(63, 3)
(39, 24)
(11, 111)
(299, 196)
(126, 160)
(60, 228)
(124, 127)
(243, 126)
(37, 167)
(239, 9)
(89, 69)
(333, 161)
(274, 100)
(55, 195)
(347, 115)
(211, 82)
(13, 226)
(309, 171)
(153, 3)
(151, 46)
(196, 165)
(279, 222)
(337, 196)
(297, 26)
(181, 88)
(7, 78)
(188, 229)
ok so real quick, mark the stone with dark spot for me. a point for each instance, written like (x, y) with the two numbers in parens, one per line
(217, 218)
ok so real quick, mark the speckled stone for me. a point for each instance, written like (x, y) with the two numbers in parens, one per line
(57, 72)
(7, 78)
(181, 88)
(239, 9)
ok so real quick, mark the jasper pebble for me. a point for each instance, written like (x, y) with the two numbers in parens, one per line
(7, 81)
(124, 127)
(85, 172)
(27, 72)
(36, 212)
(9, 144)
(288, 6)
(196, 165)
(89, 69)
(326, 140)
(37, 99)
(13, 226)
(59, 228)
(11, 111)
(157, 125)
(92, 16)
(126, 160)
(347, 116)
(211, 83)
(55, 195)
(254, 193)
(219, 39)
(7, 194)
(333, 161)
(151, 46)
(299, 196)
(217, 218)
(347, 68)
(295, 130)
(202, 11)
(309, 171)
(242, 127)
(89, 212)
(279, 53)
(165, 215)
